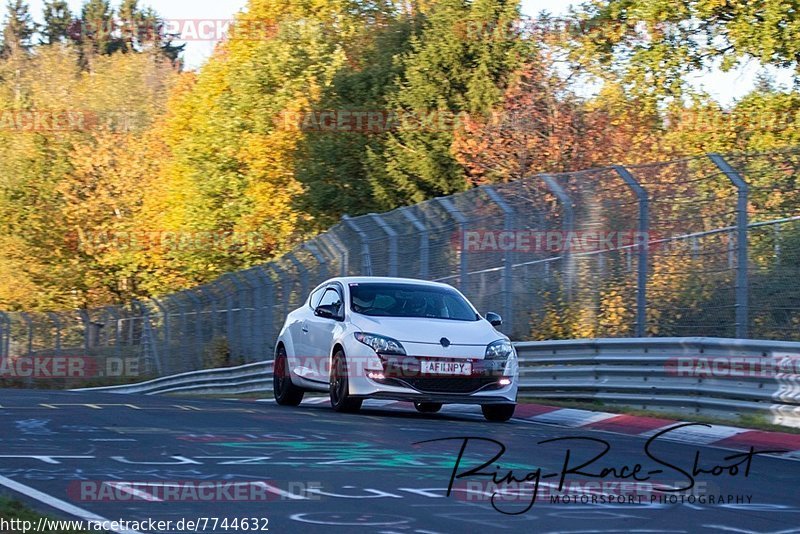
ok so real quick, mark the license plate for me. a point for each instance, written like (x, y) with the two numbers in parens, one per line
(446, 368)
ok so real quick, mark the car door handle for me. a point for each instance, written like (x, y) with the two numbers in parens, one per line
(305, 329)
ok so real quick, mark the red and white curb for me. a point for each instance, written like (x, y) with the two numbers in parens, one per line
(722, 436)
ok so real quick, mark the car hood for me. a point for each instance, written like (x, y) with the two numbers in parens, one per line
(422, 330)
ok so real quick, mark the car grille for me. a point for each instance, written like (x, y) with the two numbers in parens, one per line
(447, 384)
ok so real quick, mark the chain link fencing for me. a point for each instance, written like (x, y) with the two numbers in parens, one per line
(704, 246)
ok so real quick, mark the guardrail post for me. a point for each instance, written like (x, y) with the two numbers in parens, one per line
(462, 221)
(508, 261)
(424, 242)
(390, 232)
(742, 282)
(366, 258)
(642, 247)
(568, 226)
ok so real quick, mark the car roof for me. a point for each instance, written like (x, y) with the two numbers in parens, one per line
(386, 280)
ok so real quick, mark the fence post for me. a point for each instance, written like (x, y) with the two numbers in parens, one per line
(268, 303)
(742, 221)
(302, 270)
(114, 312)
(424, 242)
(230, 336)
(284, 287)
(57, 323)
(643, 247)
(5, 335)
(212, 299)
(313, 248)
(332, 242)
(87, 331)
(198, 327)
(568, 226)
(167, 335)
(508, 260)
(236, 340)
(389, 231)
(366, 258)
(462, 221)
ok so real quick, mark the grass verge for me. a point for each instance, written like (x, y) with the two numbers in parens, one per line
(11, 510)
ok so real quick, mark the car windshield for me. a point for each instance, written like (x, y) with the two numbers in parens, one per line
(409, 300)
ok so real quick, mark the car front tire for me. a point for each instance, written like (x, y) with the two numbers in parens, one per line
(498, 413)
(286, 393)
(341, 401)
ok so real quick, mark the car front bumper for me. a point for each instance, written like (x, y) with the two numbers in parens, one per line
(400, 378)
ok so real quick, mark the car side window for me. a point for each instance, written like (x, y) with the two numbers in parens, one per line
(332, 298)
(315, 297)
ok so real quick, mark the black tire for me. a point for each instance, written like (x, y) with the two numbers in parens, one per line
(498, 413)
(428, 407)
(286, 393)
(341, 401)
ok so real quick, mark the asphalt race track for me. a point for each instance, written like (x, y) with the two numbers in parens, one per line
(330, 472)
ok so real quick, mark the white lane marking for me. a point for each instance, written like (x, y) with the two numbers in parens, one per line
(317, 400)
(130, 489)
(696, 435)
(58, 504)
(571, 417)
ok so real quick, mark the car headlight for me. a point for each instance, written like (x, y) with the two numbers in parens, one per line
(381, 344)
(500, 350)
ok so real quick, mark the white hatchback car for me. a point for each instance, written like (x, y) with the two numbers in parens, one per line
(400, 339)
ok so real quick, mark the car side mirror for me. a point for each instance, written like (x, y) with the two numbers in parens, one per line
(328, 311)
(494, 319)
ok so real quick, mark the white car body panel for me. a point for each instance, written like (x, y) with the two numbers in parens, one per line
(309, 342)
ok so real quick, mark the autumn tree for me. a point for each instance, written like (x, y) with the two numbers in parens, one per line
(57, 21)
(18, 29)
(460, 62)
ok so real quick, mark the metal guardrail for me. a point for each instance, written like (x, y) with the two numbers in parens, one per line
(704, 376)
(230, 380)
